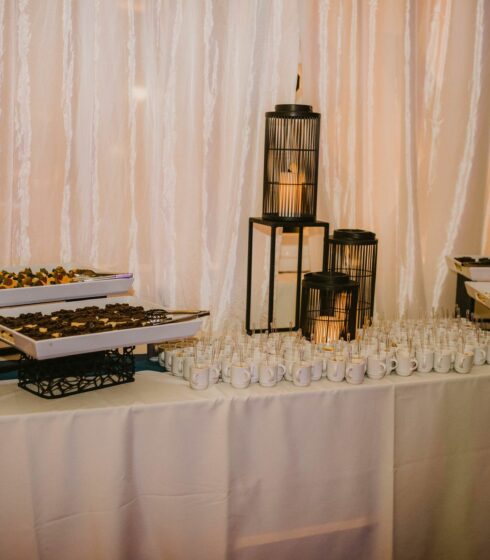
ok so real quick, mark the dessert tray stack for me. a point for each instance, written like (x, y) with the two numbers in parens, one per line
(82, 340)
(476, 270)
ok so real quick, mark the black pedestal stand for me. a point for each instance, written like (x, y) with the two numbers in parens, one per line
(273, 225)
(59, 377)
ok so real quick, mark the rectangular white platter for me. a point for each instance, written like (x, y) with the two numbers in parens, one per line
(479, 291)
(94, 342)
(89, 288)
(475, 273)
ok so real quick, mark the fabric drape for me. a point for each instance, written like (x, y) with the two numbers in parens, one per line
(131, 136)
(403, 92)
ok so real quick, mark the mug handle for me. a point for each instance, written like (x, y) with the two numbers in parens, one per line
(415, 364)
(248, 375)
(283, 368)
(348, 372)
(384, 367)
(272, 375)
(215, 375)
(194, 379)
(394, 363)
(296, 375)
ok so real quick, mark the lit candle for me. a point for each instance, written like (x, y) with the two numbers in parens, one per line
(290, 192)
(326, 328)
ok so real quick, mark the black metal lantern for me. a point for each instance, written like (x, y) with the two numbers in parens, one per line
(328, 306)
(292, 139)
(354, 252)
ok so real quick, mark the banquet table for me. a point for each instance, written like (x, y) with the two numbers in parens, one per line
(397, 468)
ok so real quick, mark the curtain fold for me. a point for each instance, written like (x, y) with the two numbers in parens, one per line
(400, 86)
(131, 136)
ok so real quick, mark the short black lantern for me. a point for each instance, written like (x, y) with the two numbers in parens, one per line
(292, 139)
(328, 306)
(354, 252)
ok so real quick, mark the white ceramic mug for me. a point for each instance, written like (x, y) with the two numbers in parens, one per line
(289, 365)
(279, 368)
(254, 366)
(442, 360)
(226, 363)
(199, 378)
(240, 376)
(169, 354)
(267, 375)
(376, 366)
(336, 368)
(406, 364)
(316, 369)
(425, 359)
(178, 364)
(355, 371)
(302, 374)
(161, 359)
(480, 355)
(391, 361)
(463, 362)
(214, 372)
(280, 371)
(189, 361)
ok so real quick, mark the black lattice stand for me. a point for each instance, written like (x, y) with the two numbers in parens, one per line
(70, 375)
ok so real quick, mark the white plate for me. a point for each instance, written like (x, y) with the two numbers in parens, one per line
(89, 288)
(475, 273)
(479, 291)
(81, 344)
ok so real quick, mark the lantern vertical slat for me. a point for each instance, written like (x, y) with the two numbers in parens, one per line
(354, 252)
(328, 306)
(292, 138)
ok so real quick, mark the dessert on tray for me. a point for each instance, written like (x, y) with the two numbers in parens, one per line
(32, 284)
(52, 330)
(84, 320)
(42, 277)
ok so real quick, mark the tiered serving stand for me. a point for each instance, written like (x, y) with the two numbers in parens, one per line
(473, 283)
(59, 367)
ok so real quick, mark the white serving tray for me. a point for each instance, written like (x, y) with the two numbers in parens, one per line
(94, 342)
(475, 273)
(479, 291)
(89, 288)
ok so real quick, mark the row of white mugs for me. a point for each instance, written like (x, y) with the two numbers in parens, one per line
(324, 362)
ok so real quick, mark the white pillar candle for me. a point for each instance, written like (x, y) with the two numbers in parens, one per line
(290, 192)
(326, 327)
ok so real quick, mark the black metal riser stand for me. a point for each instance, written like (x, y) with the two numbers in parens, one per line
(274, 225)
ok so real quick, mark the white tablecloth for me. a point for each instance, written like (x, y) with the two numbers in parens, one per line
(398, 468)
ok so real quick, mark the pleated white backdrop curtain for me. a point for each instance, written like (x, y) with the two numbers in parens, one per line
(403, 89)
(131, 135)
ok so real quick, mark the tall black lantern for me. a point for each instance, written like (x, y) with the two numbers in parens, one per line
(292, 138)
(328, 306)
(354, 252)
